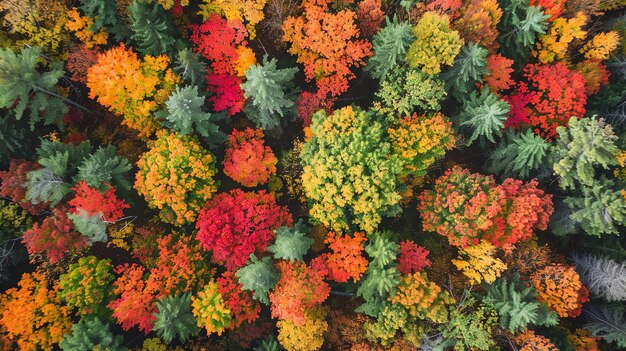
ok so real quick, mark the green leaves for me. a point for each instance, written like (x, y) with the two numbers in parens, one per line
(184, 114)
(608, 322)
(89, 333)
(175, 319)
(406, 89)
(469, 67)
(520, 25)
(390, 46)
(517, 305)
(519, 154)
(91, 226)
(291, 243)
(23, 88)
(45, 186)
(152, 28)
(600, 210)
(382, 276)
(270, 92)
(190, 67)
(258, 276)
(484, 115)
(104, 166)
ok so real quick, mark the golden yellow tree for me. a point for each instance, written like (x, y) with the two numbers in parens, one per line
(479, 264)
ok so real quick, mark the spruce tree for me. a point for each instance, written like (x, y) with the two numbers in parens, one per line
(190, 67)
(519, 27)
(291, 243)
(468, 69)
(390, 46)
(258, 276)
(152, 28)
(483, 115)
(519, 154)
(600, 209)
(175, 319)
(104, 166)
(89, 334)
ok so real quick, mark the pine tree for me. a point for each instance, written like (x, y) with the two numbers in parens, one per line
(46, 187)
(91, 226)
(271, 94)
(23, 88)
(104, 167)
(603, 276)
(608, 322)
(175, 319)
(190, 67)
(291, 243)
(519, 27)
(517, 305)
(390, 46)
(15, 141)
(259, 276)
(90, 333)
(483, 115)
(184, 114)
(468, 69)
(104, 13)
(584, 144)
(382, 275)
(269, 344)
(519, 154)
(152, 28)
(600, 210)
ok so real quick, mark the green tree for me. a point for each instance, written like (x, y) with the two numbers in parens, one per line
(390, 46)
(270, 92)
(104, 166)
(269, 344)
(382, 276)
(175, 319)
(608, 322)
(23, 87)
(406, 89)
(258, 276)
(600, 210)
(584, 144)
(190, 67)
(152, 28)
(184, 114)
(291, 243)
(87, 286)
(518, 154)
(471, 325)
(468, 69)
(519, 26)
(517, 306)
(92, 226)
(89, 334)
(483, 115)
(103, 12)
(350, 170)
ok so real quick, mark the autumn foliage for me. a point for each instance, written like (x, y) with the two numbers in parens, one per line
(248, 160)
(243, 308)
(412, 258)
(95, 202)
(13, 184)
(346, 260)
(559, 287)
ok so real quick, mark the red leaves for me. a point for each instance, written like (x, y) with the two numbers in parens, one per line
(248, 161)
(500, 70)
(217, 40)
(240, 303)
(13, 184)
(236, 224)
(369, 16)
(412, 258)
(227, 93)
(553, 95)
(93, 201)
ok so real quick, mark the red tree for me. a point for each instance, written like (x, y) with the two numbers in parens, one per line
(217, 40)
(412, 258)
(93, 201)
(55, 237)
(227, 94)
(236, 224)
(13, 184)
(240, 303)
(499, 77)
(248, 160)
(346, 261)
(369, 15)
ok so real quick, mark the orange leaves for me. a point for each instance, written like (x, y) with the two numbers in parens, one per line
(500, 70)
(601, 46)
(529, 341)
(553, 45)
(93, 201)
(422, 298)
(32, 316)
(248, 161)
(559, 287)
(478, 22)
(327, 44)
(346, 261)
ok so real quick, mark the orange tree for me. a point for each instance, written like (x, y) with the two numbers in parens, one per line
(560, 288)
(176, 176)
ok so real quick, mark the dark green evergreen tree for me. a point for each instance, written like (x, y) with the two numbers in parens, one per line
(390, 46)
(152, 28)
(90, 333)
(175, 319)
(291, 243)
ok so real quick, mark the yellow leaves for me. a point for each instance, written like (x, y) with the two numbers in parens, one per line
(435, 44)
(422, 298)
(601, 46)
(306, 337)
(249, 12)
(81, 26)
(479, 264)
(210, 310)
(553, 45)
(245, 59)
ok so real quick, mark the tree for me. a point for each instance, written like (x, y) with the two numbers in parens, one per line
(14, 184)
(81, 27)
(291, 243)
(553, 95)
(478, 22)
(584, 144)
(248, 160)
(382, 276)
(582, 339)
(103, 12)
(559, 287)
(236, 224)
(175, 319)
(240, 303)
(469, 207)
(406, 89)
(183, 113)
(346, 260)
(35, 23)
(472, 325)
(435, 45)
(349, 170)
(519, 154)
(369, 15)
(600, 209)
(131, 88)
(553, 45)
(227, 93)
(89, 334)
(92, 201)
(529, 341)
(23, 88)
(55, 237)
(270, 94)
(516, 305)
(258, 276)
(479, 264)
(412, 258)
(103, 168)
(484, 115)
(608, 323)
(152, 28)
(299, 288)
(210, 310)
(32, 316)
(553, 8)
(327, 44)
(390, 47)
(190, 67)
(248, 11)
(87, 286)
(520, 25)
(468, 68)
(176, 176)
(308, 336)
(422, 298)
(603, 276)
(601, 46)
(499, 76)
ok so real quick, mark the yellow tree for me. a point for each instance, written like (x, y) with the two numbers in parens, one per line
(479, 264)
